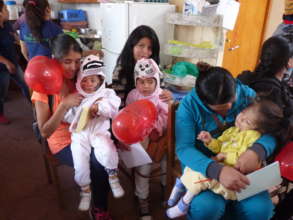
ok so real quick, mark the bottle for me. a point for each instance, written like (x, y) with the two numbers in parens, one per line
(13, 9)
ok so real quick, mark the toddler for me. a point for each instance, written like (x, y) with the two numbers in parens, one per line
(90, 123)
(147, 82)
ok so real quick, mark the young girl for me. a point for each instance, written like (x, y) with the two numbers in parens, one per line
(100, 104)
(147, 82)
(37, 30)
(142, 43)
(263, 117)
(9, 68)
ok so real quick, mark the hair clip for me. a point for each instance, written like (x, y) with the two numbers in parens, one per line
(32, 3)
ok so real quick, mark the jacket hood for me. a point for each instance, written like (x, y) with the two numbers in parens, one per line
(91, 65)
(147, 68)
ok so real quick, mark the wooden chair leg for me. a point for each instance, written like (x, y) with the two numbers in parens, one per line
(48, 171)
(56, 182)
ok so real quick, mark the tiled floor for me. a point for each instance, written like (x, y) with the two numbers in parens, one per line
(24, 191)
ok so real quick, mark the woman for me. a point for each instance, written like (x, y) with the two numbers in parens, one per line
(37, 30)
(68, 52)
(267, 78)
(9, 68)
(211, 105)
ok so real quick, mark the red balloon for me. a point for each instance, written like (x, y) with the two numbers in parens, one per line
(285, 158)
(134, 122)
(44, 75)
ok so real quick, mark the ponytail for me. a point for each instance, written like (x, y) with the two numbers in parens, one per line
(35, 16)
(274, 57)
(215, 85)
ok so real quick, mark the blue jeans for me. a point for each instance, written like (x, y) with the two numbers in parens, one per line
(5, 77)
(99, 177)
(210, 206)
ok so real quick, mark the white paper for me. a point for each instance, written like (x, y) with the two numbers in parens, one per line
(137, 156)
(229, 9)
(261, 180)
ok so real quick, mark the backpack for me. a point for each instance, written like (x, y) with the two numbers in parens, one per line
(35, 126)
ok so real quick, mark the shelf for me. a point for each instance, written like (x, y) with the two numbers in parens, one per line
(190, 52)
(79, 1)
(194, 20)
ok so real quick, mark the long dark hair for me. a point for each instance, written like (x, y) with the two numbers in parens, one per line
(1, 5)
(34, 13)
(273, 120)
(126, 59)
(274, 57)
(215, 85)
(62, 44)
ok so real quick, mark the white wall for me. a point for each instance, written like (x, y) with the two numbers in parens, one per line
(92, 9)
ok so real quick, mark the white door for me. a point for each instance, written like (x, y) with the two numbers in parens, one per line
(114, 26)
(153, 15)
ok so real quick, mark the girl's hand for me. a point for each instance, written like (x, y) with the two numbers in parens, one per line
(248, 162)
(94, 109)
(154, 135)
(205, 137)
(232, 179)
(71, 100)
(166, 96)
(122, 146)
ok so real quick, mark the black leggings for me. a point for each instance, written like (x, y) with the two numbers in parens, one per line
(99, 177)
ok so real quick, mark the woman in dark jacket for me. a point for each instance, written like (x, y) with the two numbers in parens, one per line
(267, 78)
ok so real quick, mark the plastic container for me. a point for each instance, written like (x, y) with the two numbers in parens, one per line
(13, 9)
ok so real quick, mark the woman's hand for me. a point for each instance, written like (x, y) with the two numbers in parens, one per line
(248, 162)
(166, 96)
(232, 179)
(94, 109)
(71, 100)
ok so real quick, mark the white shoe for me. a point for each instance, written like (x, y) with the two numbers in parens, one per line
(85, 201)
(116, 188)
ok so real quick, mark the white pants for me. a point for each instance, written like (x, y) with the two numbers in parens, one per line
(104, 149)
(142, 184)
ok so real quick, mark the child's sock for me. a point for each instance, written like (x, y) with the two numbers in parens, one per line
(178, 210)
(85, 198)
(177, 191)
(116, 188)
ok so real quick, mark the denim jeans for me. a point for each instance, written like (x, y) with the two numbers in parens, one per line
(210, 206)
(99, 177)
(5, 77)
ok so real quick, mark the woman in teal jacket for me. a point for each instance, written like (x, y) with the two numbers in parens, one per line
(213, 104)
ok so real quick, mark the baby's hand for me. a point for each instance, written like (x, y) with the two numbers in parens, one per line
(154, 135)
(94, 109)
(220, 157)
(205, 137)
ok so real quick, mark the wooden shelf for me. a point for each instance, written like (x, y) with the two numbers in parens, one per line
(79, 1)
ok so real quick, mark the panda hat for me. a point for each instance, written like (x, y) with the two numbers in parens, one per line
(147, 68)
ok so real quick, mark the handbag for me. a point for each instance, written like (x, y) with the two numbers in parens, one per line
(35, 125)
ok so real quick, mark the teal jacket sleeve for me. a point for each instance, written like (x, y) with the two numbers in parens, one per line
(269, 144)
(186, 130)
